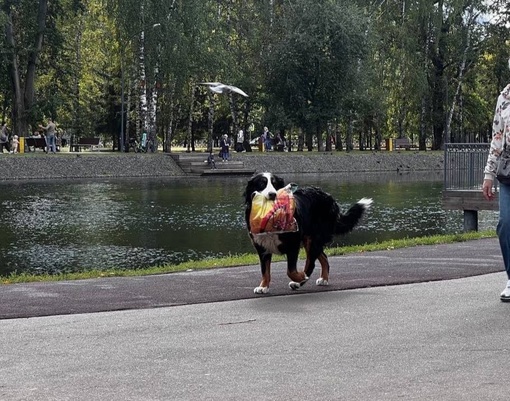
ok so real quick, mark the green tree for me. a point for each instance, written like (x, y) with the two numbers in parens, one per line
(314, 62)
(25, 27)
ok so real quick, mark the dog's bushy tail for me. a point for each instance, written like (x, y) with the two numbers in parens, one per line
(346, 222)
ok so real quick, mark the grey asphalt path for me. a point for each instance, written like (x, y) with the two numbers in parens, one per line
(390, 267)
(442, 340)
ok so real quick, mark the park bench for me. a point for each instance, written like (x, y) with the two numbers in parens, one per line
(34, 143)
(85, 143)
(403, 143)
(464, 165)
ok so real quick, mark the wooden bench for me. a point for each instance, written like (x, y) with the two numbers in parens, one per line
(85, 143)
(34, 143)
(402, 143)
(471, 201)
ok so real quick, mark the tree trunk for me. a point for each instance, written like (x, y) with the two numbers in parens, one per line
(76, 131)
(309, 140)
(24, 91)
(338, 137)
(210, 122)
(348, 137)
(460, 77)
(233, 111)
(378, 137)
(169, 130)
(189, 138)
(301, 141)
(320, 139)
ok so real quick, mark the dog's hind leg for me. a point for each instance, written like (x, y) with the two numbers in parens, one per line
(324, 278)
(314, 253)
(265, 267)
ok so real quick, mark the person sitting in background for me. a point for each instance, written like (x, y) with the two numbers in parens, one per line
(4, 138)
(210, 160)
(15, 144)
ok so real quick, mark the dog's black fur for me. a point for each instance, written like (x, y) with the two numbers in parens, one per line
(319, 218)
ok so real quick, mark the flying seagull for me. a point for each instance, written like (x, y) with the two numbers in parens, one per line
(218, 87)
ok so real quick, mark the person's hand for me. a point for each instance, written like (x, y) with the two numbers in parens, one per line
(487, 189)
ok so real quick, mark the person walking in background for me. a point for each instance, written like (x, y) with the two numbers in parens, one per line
(50, 136)
(4, 138)
(500, 141)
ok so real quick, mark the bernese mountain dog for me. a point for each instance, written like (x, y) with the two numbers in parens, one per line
(317, 219)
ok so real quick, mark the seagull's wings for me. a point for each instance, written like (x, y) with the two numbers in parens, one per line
(218, 87)
(236, 90)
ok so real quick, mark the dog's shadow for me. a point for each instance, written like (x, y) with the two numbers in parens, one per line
(301, 301)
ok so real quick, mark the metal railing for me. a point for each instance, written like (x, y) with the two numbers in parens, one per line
(464, 164)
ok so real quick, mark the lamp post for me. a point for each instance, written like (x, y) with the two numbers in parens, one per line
(122, 133)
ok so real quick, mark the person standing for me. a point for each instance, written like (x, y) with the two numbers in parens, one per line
(500, 141)
(50, 136)
(4, 138)
(239, 141)
(267, 139)
(225, 148)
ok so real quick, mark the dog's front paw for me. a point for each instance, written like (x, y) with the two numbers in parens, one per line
(261, 290)
(322, 282)
(295, 286)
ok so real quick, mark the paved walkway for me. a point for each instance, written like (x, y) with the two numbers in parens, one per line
(442, 340)
(382, 268)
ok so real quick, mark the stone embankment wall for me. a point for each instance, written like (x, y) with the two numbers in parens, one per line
(344, 162)
(40, 165)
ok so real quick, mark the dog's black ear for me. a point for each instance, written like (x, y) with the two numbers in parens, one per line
(248, 192)
(278, 182)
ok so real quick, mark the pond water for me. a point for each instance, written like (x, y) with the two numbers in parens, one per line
(67, 226)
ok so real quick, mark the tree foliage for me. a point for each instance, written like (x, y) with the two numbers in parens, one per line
(360, 72)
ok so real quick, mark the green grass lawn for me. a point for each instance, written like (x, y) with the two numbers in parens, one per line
(243, 259)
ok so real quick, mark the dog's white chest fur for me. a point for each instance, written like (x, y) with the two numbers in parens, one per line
(270, 242)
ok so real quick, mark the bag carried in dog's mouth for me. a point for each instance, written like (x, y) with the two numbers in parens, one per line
(268, 216)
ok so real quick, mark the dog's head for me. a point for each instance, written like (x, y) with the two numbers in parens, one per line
(265, 183)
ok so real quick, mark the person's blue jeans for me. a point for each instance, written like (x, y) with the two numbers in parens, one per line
(50, 144)
(503, 228)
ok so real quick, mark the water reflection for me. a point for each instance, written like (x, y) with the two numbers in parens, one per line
(78, 225)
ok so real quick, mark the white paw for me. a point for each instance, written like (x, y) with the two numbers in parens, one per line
(321, 281)
(261, 290)
(295, 286)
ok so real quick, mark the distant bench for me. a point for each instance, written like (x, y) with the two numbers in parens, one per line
(85, 143)
(35, 143)
(403, 143)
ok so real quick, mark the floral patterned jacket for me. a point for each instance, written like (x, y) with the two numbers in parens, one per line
(500, 127)
(500, 133)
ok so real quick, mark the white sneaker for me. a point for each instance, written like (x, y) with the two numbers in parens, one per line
(505, 295)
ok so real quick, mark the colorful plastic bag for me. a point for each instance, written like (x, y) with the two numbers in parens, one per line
(276, 216)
